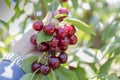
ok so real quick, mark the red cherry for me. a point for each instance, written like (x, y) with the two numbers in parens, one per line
(54, 49)
(71, 29)
(73, 39)
(33, 39)
(45, 69)
(36, 66)
(38, 25)
(42, 47)
(61, 32)
(63, 11)
(63, 0)
(64, 42)
(54, 62)
(63, 48)
(63, 57)
(54, 42)
(49, 29)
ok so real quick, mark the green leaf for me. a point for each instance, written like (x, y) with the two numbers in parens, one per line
(80, 25)
(112, 76)
(42, 36)
(59, 16)
(28, 77)
(26, 66)
(7, 2)
(80, 73)
(75, 3)
(106, 66)
(65, 74)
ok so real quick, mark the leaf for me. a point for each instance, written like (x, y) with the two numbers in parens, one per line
(75, 3)
(65, 74)
(80, 25)
(7, 2)
(106, 66)
(26, 66)
(28, 77)
(80, 73)
(112, 76)
(42, 36)
(59, 16)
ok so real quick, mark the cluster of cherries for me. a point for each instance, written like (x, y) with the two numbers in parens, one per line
(62, 37)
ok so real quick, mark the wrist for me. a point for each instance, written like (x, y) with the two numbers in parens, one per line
(14, 58)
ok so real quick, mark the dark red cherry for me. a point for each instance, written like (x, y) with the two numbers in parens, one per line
(54, 62)
(38, 25)
(36, 66)
(63, 48)
(64, 42)
(63, 0)
(54, 42)
(33, 39)
(49, 29)
(45, 69)
(73, 39)
(42, 47)
(70, 28)
(54, 49)
(63, 57)
(61, 32)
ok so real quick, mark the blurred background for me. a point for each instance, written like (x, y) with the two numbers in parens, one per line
(94, 57)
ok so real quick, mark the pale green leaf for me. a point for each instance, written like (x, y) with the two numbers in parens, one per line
(28, 76)
(7, 2)
(60, 15)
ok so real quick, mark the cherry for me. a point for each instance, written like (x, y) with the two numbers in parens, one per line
(49, 29)
(38, 25)
(63, 48)
(73, 39)
(33, 39)
(54, 49)
(63, 0)
(45, 69)
(61, 32)
(54, 42)
(64, 42)
(63, 57)
(70, 28)
(63, 11)
(54, 62)
(42, 47)
(36, 66)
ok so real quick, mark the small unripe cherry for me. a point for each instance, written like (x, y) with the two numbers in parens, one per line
(38, 25)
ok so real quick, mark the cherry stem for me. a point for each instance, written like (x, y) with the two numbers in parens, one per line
(53, 74)
(34, 73)
(41, 57)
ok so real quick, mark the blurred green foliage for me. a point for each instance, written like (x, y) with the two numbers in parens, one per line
(102, 15)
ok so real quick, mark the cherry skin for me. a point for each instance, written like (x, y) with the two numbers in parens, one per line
(63, 11)
(71, 29)
(45, 69)
(54, 62)
(49, 29)
(63, 48)
(33, 39)
(73, 39)
(61, 32)
(63, 57)
(63, 0)
(36, 66)
(54, 49)
(42, 47)
(64, 42)
(38, 25)
(54, 42)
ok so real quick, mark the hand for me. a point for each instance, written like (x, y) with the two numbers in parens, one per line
(24, 46)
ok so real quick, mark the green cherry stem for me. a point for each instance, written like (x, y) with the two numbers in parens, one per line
(53, 74)
(34, 74)
(41, 57)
